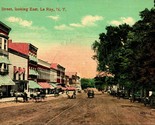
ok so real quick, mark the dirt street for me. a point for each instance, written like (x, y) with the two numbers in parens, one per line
(101, 110)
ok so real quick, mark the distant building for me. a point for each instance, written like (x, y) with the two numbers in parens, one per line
(44, 76)
(53, 74)
(74, 79)
(67, 80)
(60, 73)
(6, 82)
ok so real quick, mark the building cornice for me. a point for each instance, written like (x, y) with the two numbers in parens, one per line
(4, 28)
(17, 53)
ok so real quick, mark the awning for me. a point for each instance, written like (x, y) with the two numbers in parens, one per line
(45, 85)
(60, 87)
(34, 85)
(33, 72)
(6, 80)
(53, 84)
(4, 59)
(33, 58)
(71, 88)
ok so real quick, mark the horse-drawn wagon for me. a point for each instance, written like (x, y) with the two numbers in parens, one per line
(90, 93)
(71, 92)
(22, 95)
(37, 96)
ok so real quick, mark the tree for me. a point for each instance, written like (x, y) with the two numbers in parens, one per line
(143, 46)
(85, 83)
(109, 49)
(129, 52)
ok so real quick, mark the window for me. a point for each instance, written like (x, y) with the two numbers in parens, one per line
(0, 43)
(24, 76)
(14, 76)
(19, 76)
(5, 44)
(5, 66)
(23, 73)
(15, 73)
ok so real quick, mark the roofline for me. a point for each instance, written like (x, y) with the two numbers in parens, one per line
(5, 26)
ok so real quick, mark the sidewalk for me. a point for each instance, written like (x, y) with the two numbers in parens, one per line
(12, 99)
(8, 99)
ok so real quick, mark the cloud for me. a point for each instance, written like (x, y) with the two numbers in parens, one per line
(86, 21)
(24, 23)
(115, 22)
(37, 28)
(76, 25)
(20, 21)
(63, 27)
(128, 20)
(90, 20)
(54, 17)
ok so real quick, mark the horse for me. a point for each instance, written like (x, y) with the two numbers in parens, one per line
(21, 94)
(37, 96)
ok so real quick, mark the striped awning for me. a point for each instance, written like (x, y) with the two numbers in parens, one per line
(4, 59)
(6, 80)
(34, 85)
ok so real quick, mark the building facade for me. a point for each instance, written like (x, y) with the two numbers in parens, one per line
(6, 82)
(18, 70)
(53, 75)
(74, 79)
(60, 73)
(44, 76)
(31, 52)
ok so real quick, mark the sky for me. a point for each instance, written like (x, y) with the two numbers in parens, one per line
(64, 30)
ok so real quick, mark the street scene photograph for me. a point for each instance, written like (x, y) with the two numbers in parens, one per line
(77, 62)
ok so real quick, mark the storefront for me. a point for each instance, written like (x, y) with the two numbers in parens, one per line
(6, 85)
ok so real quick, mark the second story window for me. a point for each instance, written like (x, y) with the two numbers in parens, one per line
(15, 73)
(5, 44)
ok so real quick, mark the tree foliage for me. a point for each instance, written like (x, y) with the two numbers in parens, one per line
(129, 52)
(85, 83)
